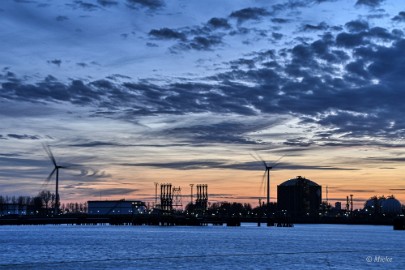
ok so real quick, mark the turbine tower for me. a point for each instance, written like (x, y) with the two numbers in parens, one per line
(267, 170)
(55, 170)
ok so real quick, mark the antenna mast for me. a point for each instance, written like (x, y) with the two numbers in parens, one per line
(191, 194)
(156, 196)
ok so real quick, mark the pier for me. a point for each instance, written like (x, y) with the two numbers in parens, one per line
(138, 220)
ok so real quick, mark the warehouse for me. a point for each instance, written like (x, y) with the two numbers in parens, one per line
(117, 207)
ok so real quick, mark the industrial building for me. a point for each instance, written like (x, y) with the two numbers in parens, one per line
(381, 205)
(117, 207)
(299, 197)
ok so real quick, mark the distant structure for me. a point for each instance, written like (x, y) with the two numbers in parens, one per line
(202, 197)
(299, 197)
(381, 205)
(351, 203)
(177, 202)
(116, 207)
(166, 197)
(191, 193)
(156, 196)
(338, 206)
(13, 209)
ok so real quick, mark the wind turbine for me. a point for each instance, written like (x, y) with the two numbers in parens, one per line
(55, 170)
(267, 170)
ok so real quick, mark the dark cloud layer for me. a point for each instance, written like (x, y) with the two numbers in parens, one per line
(400, 17)
(362, 98)
(107, 3)
(246, 14)
(370, 3)
(87, 6)
(222, 164)
(166, 33)
(151, 4)
(108, 191)
(219, 23)
(349, 82)
(23, 137)
(133, 4)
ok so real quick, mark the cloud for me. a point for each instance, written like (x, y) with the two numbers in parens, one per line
(105, 192)
(25, 1)
(61, 18)
(96, 144)
(280, 20)
(354, 190)
(150, 4)
(357, 26)
(301, 141)
(57, 62)
(223, 164)
(400, 17)
(201, 43)
(350, 40)
(229, 132)
(23, 137)
(277, 36)
(166, 33)
(92, 173)
(86, 6)
(107, 3)
(346, 82)
(370, 3)
(115, 144)
(200, 38)
(387, 159)
(217, 23)
(310, 27)
(246, 14)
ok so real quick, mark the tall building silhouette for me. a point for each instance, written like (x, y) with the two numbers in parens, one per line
(299, 197)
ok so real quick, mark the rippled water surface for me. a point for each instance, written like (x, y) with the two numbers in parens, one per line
(210, 247)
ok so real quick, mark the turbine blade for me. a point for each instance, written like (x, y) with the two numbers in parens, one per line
(262, 185)
(50, 175)
(262, 160)
(50, 155)
(277, 161)
(71, 167)
(259, 158)
(255, 158)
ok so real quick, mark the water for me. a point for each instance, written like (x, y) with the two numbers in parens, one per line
(211, 247)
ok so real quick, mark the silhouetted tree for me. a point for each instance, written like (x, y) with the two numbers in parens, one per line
(45, 196)
(38, 205)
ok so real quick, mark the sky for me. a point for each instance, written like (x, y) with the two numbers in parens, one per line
(132, 92)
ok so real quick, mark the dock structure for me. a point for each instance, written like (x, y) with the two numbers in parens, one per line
(399, 223)
(158, 218)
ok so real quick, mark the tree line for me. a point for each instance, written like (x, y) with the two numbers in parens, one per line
(42, 204)
(232, 209)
